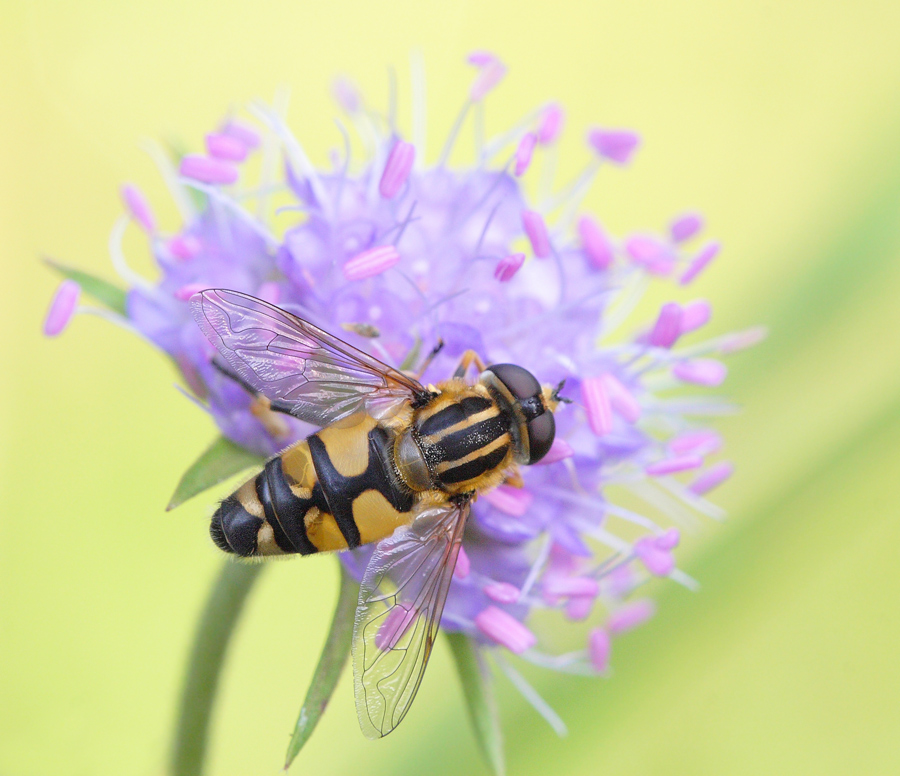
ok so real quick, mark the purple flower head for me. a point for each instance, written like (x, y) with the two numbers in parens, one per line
(393, 253)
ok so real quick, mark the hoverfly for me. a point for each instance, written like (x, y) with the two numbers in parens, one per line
(395, 462)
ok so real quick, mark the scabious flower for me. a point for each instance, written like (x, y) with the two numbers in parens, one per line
(395, 252)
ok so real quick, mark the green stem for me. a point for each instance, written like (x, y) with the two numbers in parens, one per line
(223, 607)
(331, 664)
(479, 693)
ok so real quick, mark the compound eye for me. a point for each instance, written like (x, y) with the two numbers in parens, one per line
(520, 382)
(541, 432)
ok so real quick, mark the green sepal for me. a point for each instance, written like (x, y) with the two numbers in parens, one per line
(328, 671)
(104, 292)
(221, 460)
(479, 692)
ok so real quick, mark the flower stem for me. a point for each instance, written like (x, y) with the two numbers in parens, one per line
(479, 692)
(331, 664)
(220, 615)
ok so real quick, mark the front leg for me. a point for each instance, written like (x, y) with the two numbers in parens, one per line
(468, 358)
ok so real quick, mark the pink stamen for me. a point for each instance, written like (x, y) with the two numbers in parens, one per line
(502, 592)
(394, 626)
(685, 227)
(207, 170)
(617, 145)
(668, 540)
(491, 74)
(672, 465)
(187, 291)
(743, 339)
(712, 478)
(579, 607)
(704, 257)
(596, 401)
(184, 246)
(619, 582)
(595, 243)
(701, 371)
(270, 292)
(510, 501)
(346, 94)
(536, 229)
(630, 616)
(480, 58)
(397, 168)
(559, 451)
(137, 206)
(463, 565)
(667, 328)
(550, 124)
(694, 315)
(524, 151)
(371, 262)
(658, 562)
(621, 399)
(508, 266)
(701, 442)
(62, 308)
(223, 146)
(505, 630)
(599, 647)
(566, 587)
(651, 253)
(249, 138)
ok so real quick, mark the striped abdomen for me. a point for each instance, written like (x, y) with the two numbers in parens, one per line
(463, 439)
(334, 491)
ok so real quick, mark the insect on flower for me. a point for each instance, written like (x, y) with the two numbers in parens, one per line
(398, 252)
(397, 463)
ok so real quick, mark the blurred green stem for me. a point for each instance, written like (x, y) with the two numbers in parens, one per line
(223, 607)
(331, 664)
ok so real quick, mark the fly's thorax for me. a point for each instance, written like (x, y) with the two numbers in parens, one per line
(464, 438)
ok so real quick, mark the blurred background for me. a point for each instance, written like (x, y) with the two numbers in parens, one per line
(779, 121)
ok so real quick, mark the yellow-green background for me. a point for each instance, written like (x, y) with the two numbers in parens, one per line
(780, 121)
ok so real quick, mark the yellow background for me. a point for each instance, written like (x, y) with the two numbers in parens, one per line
(778, 120)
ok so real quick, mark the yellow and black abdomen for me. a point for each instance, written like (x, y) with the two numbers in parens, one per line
(333, 491)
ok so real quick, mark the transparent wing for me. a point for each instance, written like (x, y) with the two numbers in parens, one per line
(401, 599)
(311, 374)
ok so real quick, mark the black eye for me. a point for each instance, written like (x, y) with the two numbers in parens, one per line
(520, 382)
(541, 431)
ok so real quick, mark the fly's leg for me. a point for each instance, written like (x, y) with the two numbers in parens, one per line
(514, 480)
(468, 358)
(429, 358)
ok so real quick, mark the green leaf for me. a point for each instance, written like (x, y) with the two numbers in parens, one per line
(105, 293)
(221, 460)
(217, 623)
(476, 682)
(412, 356)
(328, 671)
